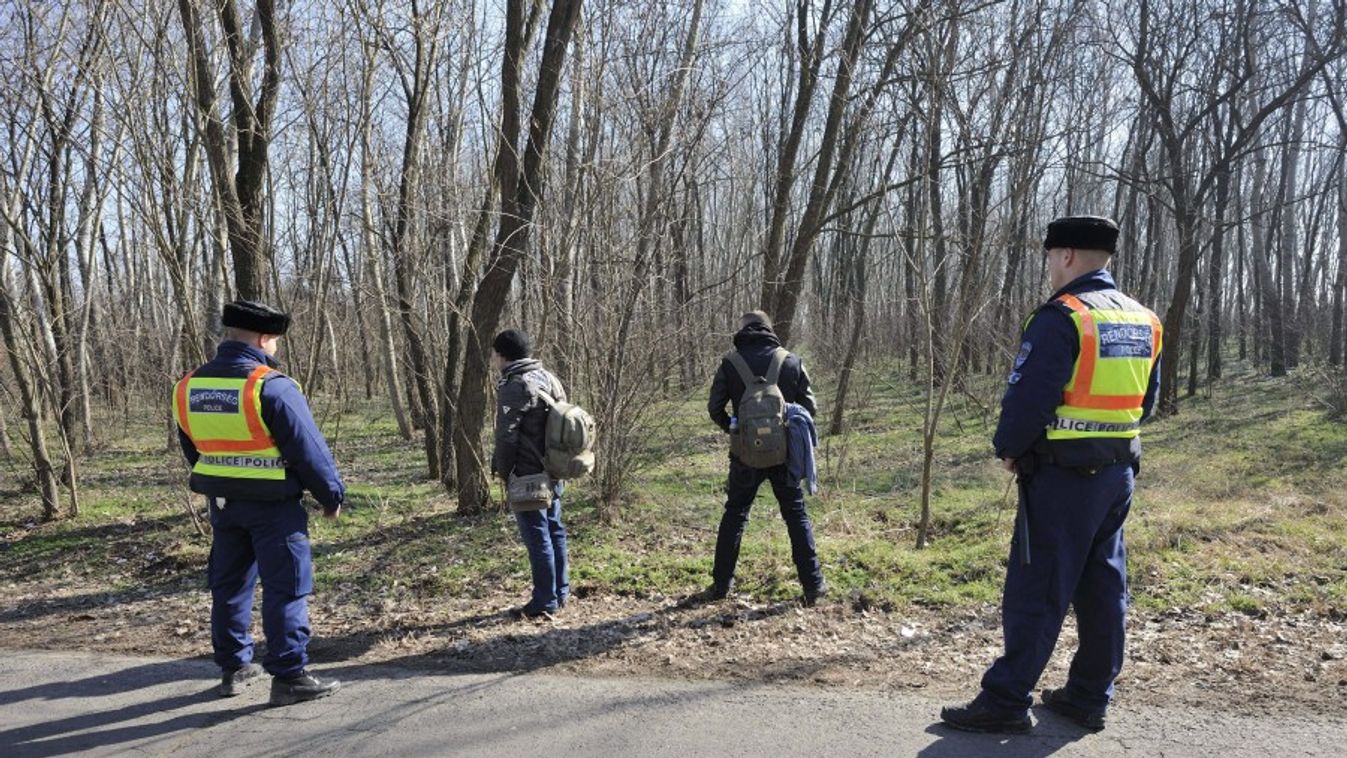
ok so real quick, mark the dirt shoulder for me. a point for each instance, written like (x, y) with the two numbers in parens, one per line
(1229, 662)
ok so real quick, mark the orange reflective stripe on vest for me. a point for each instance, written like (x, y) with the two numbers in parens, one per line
(1080, 394)
(258, 438)
(181, 395)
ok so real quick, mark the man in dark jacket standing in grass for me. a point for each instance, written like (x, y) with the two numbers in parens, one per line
(757, 348)
(523, 392)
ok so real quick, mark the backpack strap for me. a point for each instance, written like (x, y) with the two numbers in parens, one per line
(774, 368)
(745, 373)
(740, 365)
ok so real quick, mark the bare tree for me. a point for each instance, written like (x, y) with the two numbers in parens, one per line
(238, 159)
(521, 190)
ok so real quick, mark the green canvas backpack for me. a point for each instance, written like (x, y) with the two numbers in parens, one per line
(760, 439)
(569, 435)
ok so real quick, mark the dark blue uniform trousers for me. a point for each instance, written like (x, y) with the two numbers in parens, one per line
(269, 540)
(741, 490)
(1077, 557)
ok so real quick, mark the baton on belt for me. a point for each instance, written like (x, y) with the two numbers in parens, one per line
(1024, 470)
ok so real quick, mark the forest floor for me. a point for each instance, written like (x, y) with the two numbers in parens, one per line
(1237, 548)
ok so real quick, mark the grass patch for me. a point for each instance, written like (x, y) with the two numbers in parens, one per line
(1240, 506)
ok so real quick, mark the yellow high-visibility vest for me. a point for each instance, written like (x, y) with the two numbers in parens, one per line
(1120, 341)
(223, 418)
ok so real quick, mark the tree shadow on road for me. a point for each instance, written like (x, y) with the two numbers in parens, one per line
(112, 683)
(107, 728)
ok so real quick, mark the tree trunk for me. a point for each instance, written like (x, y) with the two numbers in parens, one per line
(1214, 274)
(239, 178)
(511, 242)
(405, 255)
(1186, 220)
(374, 261)
(1288, 249)
(502, 181)
(1269, 294)
(6, 451)
(29, 401)
(786, 295)
(568, 239)
(810, 61)
(1335, 345)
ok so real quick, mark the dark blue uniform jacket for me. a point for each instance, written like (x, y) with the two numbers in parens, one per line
(286, 413)
(1047, 356)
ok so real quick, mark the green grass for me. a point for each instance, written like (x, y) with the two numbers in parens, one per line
(1240, 506)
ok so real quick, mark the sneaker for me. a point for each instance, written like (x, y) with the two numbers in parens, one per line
(976, 716)
(1060, 703)
(533, 612)
(811, 597)
(296, 688)
(232, 681)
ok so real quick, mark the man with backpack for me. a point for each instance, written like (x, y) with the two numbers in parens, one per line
(757, 379)
(531, 405)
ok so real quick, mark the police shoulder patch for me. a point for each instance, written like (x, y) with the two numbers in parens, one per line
(1025, 349)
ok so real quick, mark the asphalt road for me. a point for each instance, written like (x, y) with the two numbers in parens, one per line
(87, 704)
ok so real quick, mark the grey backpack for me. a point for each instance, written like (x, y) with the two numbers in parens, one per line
(569, 438)
(760, 440)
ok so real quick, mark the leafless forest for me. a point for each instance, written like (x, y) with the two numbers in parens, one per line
(623, 178)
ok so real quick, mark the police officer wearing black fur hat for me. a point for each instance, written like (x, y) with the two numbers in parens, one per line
(254, 448)
(1085, 376)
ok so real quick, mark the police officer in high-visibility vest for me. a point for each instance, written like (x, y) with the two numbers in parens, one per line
(247, 431)
(1085, 377)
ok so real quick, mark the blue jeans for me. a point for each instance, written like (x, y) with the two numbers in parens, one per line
(545, 537)
(741, 489)
(1077, 558)
(267, 540)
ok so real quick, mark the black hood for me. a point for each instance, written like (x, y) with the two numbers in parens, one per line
(756, 335)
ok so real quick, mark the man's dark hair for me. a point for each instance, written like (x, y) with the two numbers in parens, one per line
(511, 344)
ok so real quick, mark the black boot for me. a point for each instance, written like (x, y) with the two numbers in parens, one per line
(1060, 703)
(232, 681)
(976, 716)
(811, 597)
(299, 687)
(717, 591)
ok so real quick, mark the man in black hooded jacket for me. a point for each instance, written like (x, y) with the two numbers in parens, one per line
(756, 343)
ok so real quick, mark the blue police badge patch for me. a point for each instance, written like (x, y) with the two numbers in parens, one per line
(1014, 378)
(213, 401)
(1125, 341)
(1025, 349)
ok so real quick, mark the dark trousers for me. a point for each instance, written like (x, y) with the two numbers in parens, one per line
(741, 490)
(1077, 558)
(544, 535)
(270, 541)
